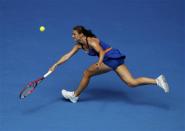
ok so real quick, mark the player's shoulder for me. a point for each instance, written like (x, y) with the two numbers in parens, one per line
(93, 40)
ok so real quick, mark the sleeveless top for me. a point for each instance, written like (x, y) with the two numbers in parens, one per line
(113, 53)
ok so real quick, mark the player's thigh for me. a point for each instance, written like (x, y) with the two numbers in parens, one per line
(93, 70)
(123, 72)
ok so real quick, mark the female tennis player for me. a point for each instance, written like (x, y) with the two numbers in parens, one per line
(109, 59)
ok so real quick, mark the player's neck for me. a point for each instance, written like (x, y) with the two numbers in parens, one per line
(84, 40)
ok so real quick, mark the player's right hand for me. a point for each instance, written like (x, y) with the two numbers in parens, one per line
(53, 68)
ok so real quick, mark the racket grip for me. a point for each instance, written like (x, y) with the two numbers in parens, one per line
(47, 74)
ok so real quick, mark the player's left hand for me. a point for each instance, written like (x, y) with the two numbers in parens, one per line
(99, 65)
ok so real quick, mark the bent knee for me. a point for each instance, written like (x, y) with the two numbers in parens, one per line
(132, 83)
(87, 73)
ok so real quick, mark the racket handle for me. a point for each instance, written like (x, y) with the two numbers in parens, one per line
(47, 74)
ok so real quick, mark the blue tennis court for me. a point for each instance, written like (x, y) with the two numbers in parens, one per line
(149, 32)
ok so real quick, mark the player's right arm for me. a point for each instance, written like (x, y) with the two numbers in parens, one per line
(65, 57)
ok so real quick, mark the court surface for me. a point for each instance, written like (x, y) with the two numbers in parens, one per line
(149, 32)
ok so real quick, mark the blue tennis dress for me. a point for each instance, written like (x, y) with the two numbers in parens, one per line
(112, 58)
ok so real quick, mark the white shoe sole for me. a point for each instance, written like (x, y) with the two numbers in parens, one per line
(165, 84)
(161, 80)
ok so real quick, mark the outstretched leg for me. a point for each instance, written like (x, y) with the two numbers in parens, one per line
(123, 72)
(91, 71)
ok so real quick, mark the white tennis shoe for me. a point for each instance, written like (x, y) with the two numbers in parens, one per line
(69, 95)
(161, 82)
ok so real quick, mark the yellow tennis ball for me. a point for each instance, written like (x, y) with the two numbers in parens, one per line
(42, 28)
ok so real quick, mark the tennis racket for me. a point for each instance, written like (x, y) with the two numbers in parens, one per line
(31, 86)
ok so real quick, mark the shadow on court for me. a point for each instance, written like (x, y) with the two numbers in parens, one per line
(117, 96)
(41, 106)
(107, 95)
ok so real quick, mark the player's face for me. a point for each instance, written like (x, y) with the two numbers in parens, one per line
(76, 36)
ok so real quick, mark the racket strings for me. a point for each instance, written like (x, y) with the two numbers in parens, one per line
(30, 88)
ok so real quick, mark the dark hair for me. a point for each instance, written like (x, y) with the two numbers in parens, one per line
(82, 29)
